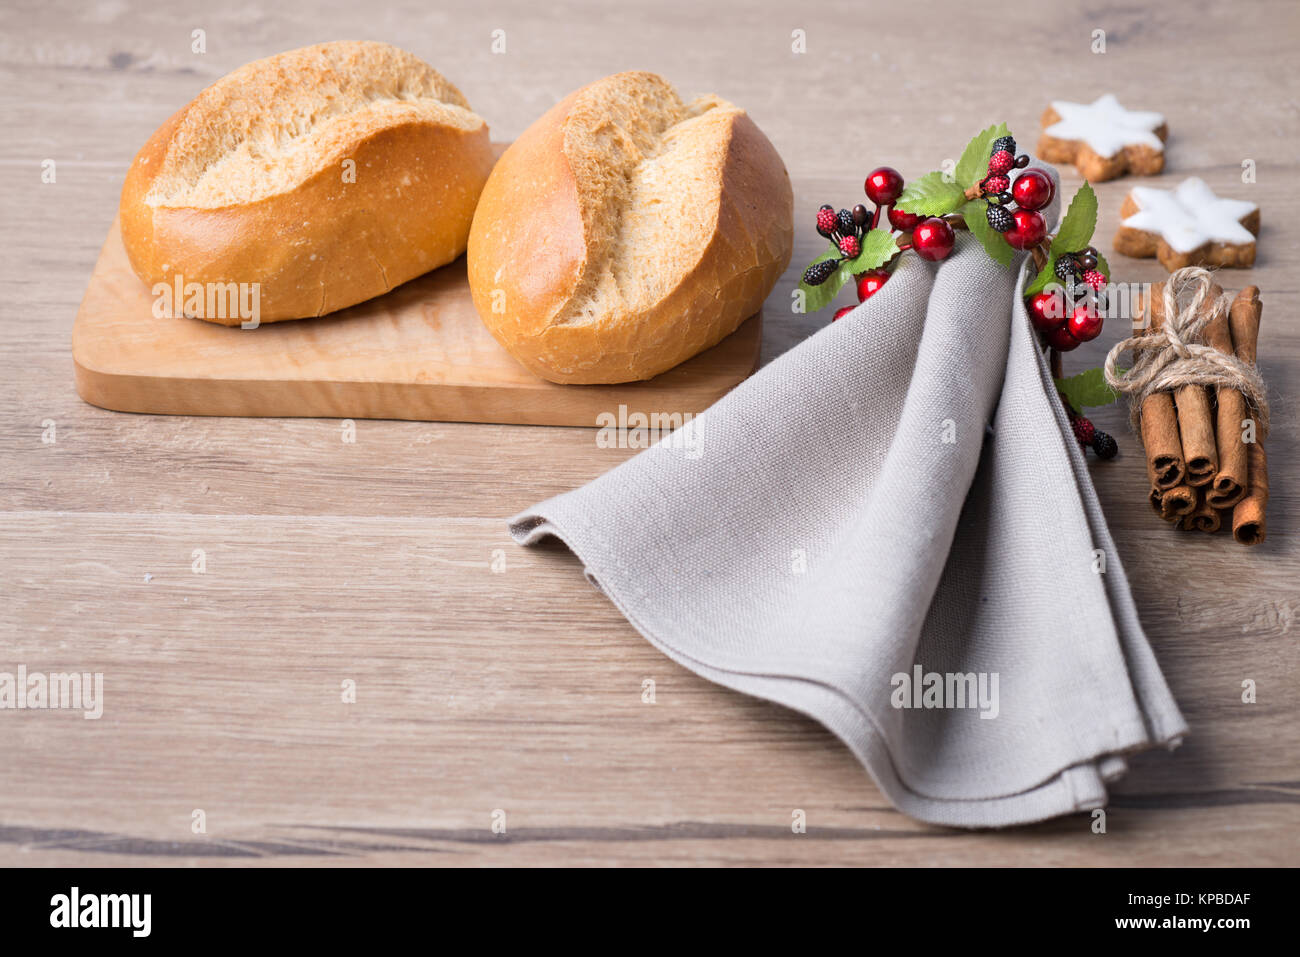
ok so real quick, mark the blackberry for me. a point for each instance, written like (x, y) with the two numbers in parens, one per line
(1000, 218)
(847, 226)
(1104, 444)
(819, 272)
(1065, 269)
(1007, 143)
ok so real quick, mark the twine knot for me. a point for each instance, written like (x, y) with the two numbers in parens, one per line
(1176, 354)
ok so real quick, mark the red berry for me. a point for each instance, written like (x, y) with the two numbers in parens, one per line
(933, 239)
(1061, 340)
(1029, 230)
(1084, 430)
(884, 185)
(1033, 189)
(850, 246)
(996, 184)
(1046, 310)
(904, 221)
(844, 311)
(1094, 278)
(1001, 161)
(826, 221)
(1085, 321)
(869, 283)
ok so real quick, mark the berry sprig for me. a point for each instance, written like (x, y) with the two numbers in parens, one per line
(995, 194)
(1067, 299)
(844, 229)
(851, 255)
(1074, 313)
(1091, 437)
(1081, 391)
(1022, 227)
(1080, 269)
(922, 216)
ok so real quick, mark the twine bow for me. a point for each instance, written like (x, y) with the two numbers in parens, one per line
(1176, 355)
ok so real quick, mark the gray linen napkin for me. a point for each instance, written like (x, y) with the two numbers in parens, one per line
(844, 517)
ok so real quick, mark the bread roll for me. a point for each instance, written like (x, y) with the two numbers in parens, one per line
(625, 231)
(251, 182)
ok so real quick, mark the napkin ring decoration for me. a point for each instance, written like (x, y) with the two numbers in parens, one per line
(997, 196)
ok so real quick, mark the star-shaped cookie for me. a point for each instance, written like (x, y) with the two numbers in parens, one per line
(1187, 226)
(1102, 139)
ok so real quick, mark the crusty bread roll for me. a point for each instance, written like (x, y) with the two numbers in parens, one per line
(251, 181)
(625, 231)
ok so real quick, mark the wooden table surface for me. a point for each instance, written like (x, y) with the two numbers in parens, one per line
(480, 688)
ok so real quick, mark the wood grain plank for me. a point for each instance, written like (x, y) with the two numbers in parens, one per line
(478, 692)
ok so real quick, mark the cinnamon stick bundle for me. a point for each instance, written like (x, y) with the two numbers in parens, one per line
(1206, 468)
(1248, 525)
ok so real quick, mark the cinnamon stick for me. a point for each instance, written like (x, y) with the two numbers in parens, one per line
(1195, 423)
(1170, 504)
(1204, 517)
(1177, 502)
(1248, 525)
(1159, 422)
(1243, 321)
(1196, 429)
(1229, 485)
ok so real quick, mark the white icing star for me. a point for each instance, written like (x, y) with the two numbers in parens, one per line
(1105, 125)
(1190, 216)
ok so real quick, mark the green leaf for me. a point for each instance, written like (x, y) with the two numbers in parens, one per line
(931, 195)
(819, 297)
(1086, 389)
(974, 163)
(977, 221)
(878, 247)
(1078, 223)
(1103, 267)
(1045, 276)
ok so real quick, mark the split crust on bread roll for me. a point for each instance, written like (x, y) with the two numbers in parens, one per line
(626, 231)
(328, 175)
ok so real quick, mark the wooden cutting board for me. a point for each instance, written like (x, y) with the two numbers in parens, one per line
(418, 352)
